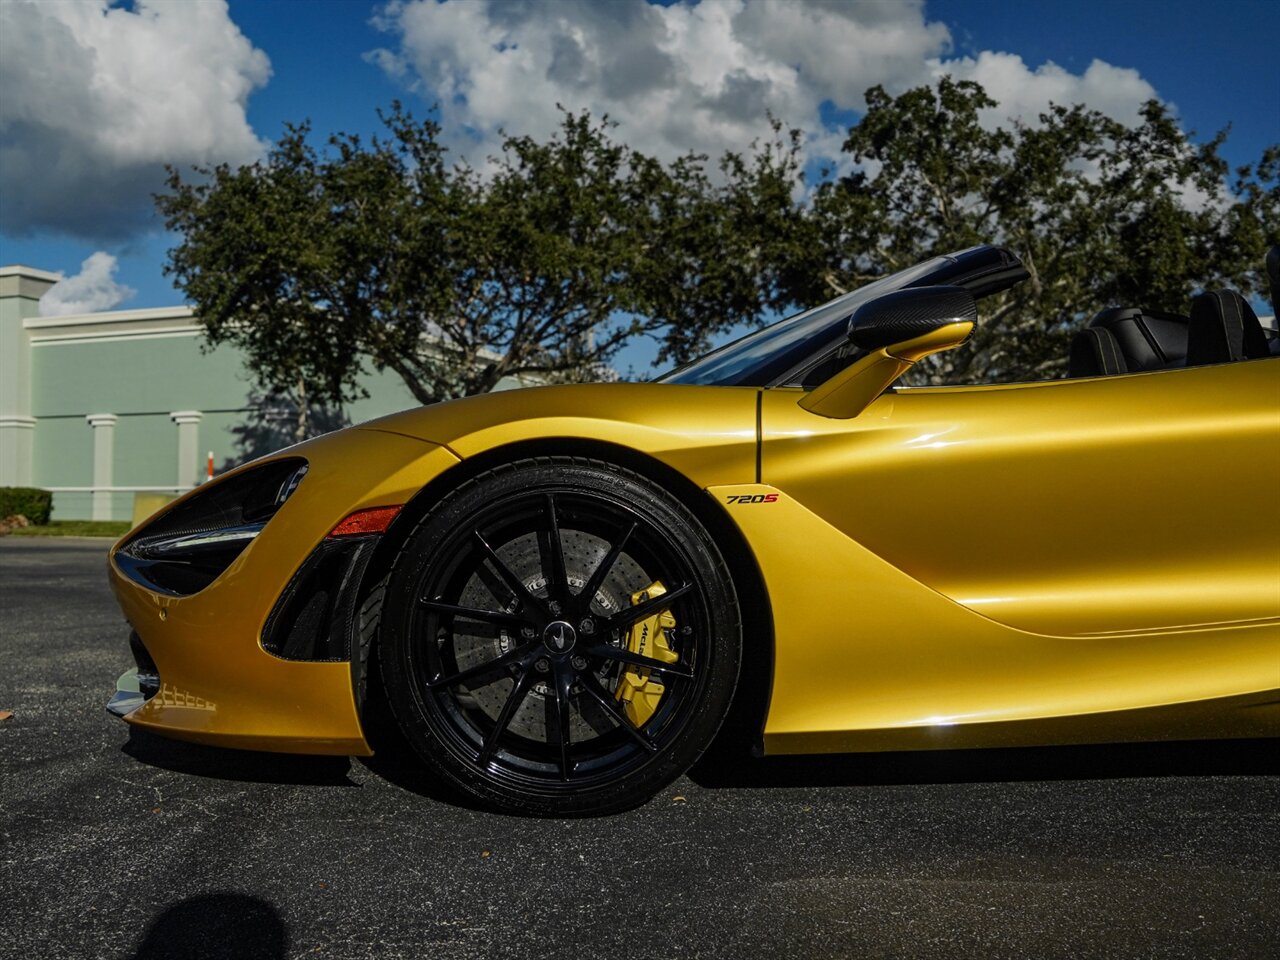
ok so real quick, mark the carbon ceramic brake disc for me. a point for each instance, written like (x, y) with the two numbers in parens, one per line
(477, 643)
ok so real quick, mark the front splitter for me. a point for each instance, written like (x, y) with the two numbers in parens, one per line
(132, 691)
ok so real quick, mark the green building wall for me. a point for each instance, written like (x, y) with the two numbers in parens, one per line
(139, 376)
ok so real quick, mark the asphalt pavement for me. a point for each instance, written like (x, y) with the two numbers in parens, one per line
(115, 844)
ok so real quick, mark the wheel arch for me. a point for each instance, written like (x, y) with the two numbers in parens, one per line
(744, 725)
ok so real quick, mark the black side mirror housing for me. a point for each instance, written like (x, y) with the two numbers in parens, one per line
(907, 314)
(895, 331)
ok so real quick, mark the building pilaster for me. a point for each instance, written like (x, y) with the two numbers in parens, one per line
(104, 449)
(188, 422)
(20, 291)
(16, 450)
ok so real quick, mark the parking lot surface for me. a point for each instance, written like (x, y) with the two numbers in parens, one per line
(115, 844)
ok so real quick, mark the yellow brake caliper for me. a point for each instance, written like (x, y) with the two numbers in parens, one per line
(638, 691)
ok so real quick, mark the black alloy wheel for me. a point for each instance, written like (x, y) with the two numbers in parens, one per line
(560, 637)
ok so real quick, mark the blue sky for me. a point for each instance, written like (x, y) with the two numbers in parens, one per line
(77, 187)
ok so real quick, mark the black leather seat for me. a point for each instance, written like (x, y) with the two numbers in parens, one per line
(1128, 340)
(1095, 353)
(1273, 282)
(1149, 339)
(1224, 329)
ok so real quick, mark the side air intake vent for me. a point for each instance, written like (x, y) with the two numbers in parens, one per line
(315, 617)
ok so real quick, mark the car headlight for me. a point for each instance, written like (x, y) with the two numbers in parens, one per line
(185, 549)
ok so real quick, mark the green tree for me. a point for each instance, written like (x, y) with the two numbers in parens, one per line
(540, 266)
(715, 253)
(321, 264)
(1101, 213)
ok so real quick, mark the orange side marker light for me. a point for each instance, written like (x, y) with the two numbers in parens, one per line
(370, 520)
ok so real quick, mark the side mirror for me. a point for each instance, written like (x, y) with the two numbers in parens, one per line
(896, 330)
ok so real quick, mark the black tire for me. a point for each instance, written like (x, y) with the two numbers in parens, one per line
(506, 676)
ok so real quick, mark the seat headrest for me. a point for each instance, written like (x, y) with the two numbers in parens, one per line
(1148, 339)
(1223, 329)
(1095, 353)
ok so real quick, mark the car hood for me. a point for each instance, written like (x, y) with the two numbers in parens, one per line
(678, 424)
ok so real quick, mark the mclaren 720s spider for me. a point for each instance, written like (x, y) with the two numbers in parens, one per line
(559, 591)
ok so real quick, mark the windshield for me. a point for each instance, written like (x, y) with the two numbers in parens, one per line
(780, 352)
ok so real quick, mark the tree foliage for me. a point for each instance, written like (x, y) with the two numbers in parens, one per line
(541, 266)
(1101, 214)
(322, 263)
(716, 252)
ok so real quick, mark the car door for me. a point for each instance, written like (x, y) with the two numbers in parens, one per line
(1074, 507)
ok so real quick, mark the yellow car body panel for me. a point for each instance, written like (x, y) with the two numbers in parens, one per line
(1085, 506)
(1063, 561)
(219, 686)
(706, 433)
(1040, 563)
(868, 658)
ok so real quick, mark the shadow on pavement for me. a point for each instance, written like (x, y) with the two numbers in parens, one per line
(394, 759)
(721, 768)
(216, 926)
(244, 765)
(725, 765)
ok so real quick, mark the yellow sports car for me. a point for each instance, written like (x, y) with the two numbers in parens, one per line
(560, 591)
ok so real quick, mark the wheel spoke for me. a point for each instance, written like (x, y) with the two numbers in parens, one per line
(516, 697)
(513, 655)
(495, 585)
(553, 563)
(479, 631)
(647, 608)
(604, 566)
(514, 584)
(622, 655)
(610, 706)
(500, 617)
(561, 682)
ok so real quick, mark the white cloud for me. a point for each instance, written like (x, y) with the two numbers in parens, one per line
(1024, 93)
(698, 77)
(94, 288)
(675, 78)
(98, 98)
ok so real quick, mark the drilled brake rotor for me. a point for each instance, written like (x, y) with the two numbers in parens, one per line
(477, 643)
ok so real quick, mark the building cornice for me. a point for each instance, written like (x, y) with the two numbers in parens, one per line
(28, 283)
(148, 324)
(111, 317)
(21, 270)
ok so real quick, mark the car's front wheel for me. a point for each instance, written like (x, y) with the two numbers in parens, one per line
(560, 636)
